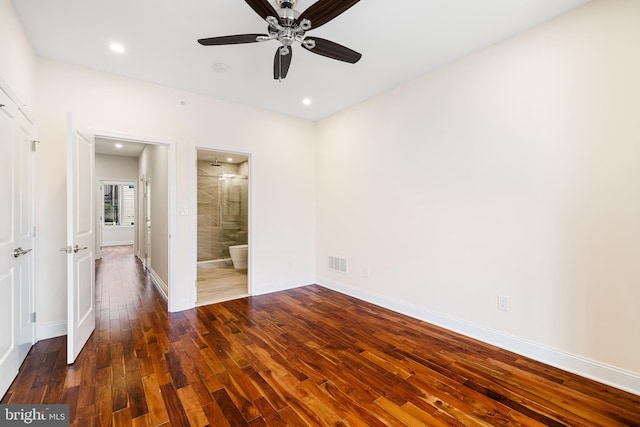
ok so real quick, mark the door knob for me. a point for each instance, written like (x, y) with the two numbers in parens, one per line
(74, 249)
(19, 252)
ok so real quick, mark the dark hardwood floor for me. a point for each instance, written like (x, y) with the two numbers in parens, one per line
(308, 356)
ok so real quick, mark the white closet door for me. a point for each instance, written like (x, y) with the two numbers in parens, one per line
(16, 240)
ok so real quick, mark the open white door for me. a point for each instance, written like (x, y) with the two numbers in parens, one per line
(16, 240)
(81, 317)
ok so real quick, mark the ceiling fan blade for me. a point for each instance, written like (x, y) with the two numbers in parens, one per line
(262, 8)
(333, 50)
(324, 11)
(237, 39)
(281, 63)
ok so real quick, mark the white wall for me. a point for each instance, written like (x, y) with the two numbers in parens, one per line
(515, 172)
(283, 227)
(17, 60)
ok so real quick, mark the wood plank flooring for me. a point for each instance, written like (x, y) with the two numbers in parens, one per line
(217, 284)
(308, 356)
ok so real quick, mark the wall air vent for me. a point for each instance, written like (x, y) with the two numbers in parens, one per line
(338, 264)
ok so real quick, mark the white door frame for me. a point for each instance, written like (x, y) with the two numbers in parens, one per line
(146, 214)
(172, 184)
(194, 217)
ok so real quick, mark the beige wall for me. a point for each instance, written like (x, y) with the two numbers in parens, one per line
(153, 168)
(116, 168)
(512, 172)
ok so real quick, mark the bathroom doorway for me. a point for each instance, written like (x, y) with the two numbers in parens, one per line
(222, 226)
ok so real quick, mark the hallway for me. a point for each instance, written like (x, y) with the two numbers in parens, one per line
(306, 356)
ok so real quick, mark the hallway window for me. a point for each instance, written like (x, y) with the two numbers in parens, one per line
(119, 204)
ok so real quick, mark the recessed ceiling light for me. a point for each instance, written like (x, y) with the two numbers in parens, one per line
(229, 159)
(118, 145)
(306, 101)
(117, 47)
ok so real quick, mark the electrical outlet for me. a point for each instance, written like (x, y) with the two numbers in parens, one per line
(365, 272)
(503, 303)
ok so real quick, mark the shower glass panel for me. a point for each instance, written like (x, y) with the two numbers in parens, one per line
(233, 208)
(222, 210)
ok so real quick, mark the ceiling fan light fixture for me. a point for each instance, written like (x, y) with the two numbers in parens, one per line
(287, 26)
(273, 21)
(305, 25)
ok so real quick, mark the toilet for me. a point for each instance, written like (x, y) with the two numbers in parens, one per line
(239, 255)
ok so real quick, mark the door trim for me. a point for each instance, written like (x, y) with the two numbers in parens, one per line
(194, 218)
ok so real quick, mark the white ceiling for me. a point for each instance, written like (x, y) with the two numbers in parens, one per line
(399, 40)
(125, 148)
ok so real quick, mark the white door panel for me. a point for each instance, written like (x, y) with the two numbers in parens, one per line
(80, 238)
(8, 356)
(85, 296)
(16, 240)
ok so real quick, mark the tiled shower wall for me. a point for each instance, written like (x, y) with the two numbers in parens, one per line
(214, 236)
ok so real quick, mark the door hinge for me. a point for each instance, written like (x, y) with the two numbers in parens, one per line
(33, 317)
(33, 145)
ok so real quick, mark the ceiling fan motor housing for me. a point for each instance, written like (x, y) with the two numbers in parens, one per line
(287, 3)
(287, 13)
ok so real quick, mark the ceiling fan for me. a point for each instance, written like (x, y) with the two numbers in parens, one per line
(287, 26)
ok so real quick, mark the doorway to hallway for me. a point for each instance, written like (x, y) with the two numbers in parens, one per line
(143, 164)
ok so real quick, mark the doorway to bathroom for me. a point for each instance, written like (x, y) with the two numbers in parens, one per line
(223, 226)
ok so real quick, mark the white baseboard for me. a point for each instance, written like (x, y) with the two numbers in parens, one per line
(603, 373)
(118, 243)
(277, 287)
(50, 330)
(160, 284)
